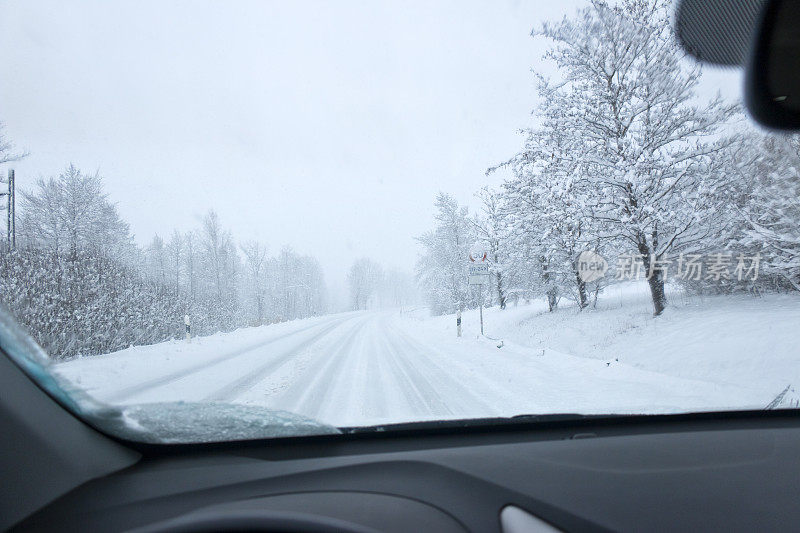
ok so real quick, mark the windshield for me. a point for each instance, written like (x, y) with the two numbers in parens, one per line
(229, 220)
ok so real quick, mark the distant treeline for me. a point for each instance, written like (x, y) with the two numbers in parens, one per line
(81, 286)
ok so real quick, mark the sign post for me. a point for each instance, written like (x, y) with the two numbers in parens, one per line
(479, 275)
(480, 304)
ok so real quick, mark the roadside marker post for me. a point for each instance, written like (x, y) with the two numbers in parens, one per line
(458, 323)
(188, 322)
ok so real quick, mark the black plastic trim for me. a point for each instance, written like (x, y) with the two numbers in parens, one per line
(447, 436)
(757, 97)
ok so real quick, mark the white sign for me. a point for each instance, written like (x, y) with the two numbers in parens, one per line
(477, 253)
(479, 274)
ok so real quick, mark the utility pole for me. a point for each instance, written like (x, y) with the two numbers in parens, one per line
(12, 215)
(11, 220)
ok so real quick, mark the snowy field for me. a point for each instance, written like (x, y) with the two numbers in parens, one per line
(376, 367)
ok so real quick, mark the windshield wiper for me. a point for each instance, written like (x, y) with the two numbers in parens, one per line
(473, 422)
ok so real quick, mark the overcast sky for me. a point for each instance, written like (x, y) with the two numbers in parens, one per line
(329, 126)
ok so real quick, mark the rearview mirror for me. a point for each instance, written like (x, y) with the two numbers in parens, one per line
(772, 79)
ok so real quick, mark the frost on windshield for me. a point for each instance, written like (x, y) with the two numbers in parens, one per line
(182, 422)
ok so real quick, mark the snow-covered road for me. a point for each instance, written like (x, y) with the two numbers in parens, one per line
(377, 367)
(348, 369)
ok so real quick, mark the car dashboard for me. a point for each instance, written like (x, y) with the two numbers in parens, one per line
(648, 473)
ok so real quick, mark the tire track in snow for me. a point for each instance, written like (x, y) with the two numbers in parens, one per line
(415, 355)
(160, 381)
(419, 392)
(309, 393)
(244, 384)
(376, 401)
(375, 373)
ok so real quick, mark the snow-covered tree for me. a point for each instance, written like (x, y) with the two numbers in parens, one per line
(74, 282)
(295, 286)
(219, 267)
(8, 153)
(40, 221)
(190, 262)
(175, 253)
(364, 279)
(156, 254)
(255, 255)
(548, 207)
(634, 148)
(492, 228)
(771, 205)
(443, 268)
(71, 213)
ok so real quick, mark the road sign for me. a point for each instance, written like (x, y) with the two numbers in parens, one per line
(479, 274)
(477, 253)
